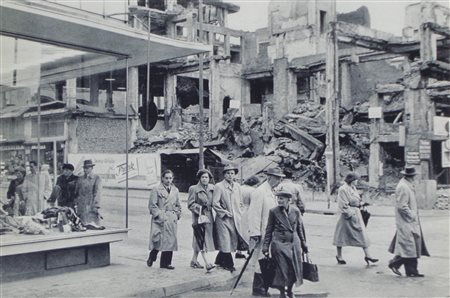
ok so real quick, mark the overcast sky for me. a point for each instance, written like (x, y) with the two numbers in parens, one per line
(385, 15)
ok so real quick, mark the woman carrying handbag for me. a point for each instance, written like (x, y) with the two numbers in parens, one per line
(284, 235)
(200, 204)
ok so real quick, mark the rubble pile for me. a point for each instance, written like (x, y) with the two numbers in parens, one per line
(443, 197)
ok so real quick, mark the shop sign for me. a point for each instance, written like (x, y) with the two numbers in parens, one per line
(35, 147)
(143, 169)
(375, 113)
(12, 148)
(425, 149)
(412, 158)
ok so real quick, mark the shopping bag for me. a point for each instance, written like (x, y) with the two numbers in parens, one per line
(267, 266)
(310, 270)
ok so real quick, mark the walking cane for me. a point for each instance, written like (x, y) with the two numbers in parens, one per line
(242, 271)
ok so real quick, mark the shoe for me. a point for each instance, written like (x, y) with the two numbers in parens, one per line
(149, 261)
(170, 267)
(290, 295)
(196, 265)
(368, 260)
(340, 261)
(238, 255)
(415, 275)
(210, 267)
(395, 270)
(260, 293)
(231, 269)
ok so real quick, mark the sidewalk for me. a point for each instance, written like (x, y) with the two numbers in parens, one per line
(129, 276)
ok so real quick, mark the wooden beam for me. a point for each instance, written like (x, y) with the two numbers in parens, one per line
(435, 69)
(438, 29)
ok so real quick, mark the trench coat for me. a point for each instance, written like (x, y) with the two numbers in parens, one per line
(262, 200)
(227, 225)
(200, 198)
(88, 193)
(246, 191)
(350, 229)
(408, 241)
(284, 235)
(35, 197)
(165, 209)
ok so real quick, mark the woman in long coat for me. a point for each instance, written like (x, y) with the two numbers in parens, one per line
(350, 228)
(200, 201)
(284, 235)
(164, 206)
(227, 225)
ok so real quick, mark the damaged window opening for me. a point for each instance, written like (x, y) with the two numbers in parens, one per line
(259, 89)
(188, 92)
(323, 18)
(303, 90)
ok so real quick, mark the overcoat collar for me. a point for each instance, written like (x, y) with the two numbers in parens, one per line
(228, 185)
(285, 220)
(409, 184)
(163, 191)
(199, 188)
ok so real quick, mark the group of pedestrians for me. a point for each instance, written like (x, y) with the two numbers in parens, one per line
(228, 217)
(30, 194)
(408, 243)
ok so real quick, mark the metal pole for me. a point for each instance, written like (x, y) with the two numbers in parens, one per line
(201, 159)
(55, 163)
(126, 143)
(147, 101)
(38, 171)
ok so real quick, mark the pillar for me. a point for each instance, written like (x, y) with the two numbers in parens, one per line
(71, 94)
(169, 97)
(375, 147)
(346, 86)
(284, 87)
(215, 102)
(93, 90)
(133, 99)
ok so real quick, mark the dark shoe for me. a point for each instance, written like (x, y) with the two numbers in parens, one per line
(238, 255)
(340, 261)
(415, 275)
(260, 293)
(170, 267)
(290, 295)
(149, 261)
(394, 269)
(368, 260)
(231, 269)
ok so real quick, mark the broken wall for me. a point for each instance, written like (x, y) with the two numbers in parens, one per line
(365, 77)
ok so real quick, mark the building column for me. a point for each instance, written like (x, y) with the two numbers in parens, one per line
(71, 94)
(170, 84)
(346, 85)
(93, 90)
(281, 85)
(215, 102)
(375, 147)
(133, 100)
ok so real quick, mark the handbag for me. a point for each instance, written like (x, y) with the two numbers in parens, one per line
(203, 219)
(268, 267)
(310, 270)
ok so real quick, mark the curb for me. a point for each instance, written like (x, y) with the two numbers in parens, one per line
(183, 287)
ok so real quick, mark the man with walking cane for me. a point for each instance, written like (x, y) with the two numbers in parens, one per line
(262, 200)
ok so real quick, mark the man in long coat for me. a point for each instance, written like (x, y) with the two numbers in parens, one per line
(408, 244)
(165, 208)
(262, 200)
(64, 191)
(88, 192)
(227, 226)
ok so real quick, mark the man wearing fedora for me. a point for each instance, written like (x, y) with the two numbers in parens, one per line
(228, 234)
(87, 195)
(261, 201)
(408, 244)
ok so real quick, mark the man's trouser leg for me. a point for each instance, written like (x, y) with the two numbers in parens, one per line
(397, 262)
(227, 260)
(411, 266)
(166, 259)
(219, 259)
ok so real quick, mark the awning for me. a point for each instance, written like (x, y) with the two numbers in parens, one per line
(51, 23)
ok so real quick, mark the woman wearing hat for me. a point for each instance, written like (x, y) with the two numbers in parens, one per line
(284, 235)
(164, 206)
(227, 226)
(200, 204)
(350, 228)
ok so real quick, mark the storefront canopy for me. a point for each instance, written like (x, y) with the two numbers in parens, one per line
(51, 23)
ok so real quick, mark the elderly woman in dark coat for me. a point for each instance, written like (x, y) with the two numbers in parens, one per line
(350, 228)
(284, 235)
(200, 201)
(164, 206)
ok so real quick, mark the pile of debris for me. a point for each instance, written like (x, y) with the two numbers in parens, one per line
(442, 200)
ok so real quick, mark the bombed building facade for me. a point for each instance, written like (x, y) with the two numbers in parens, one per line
(268, 94)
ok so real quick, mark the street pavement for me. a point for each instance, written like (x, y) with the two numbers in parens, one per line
(128, 275)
